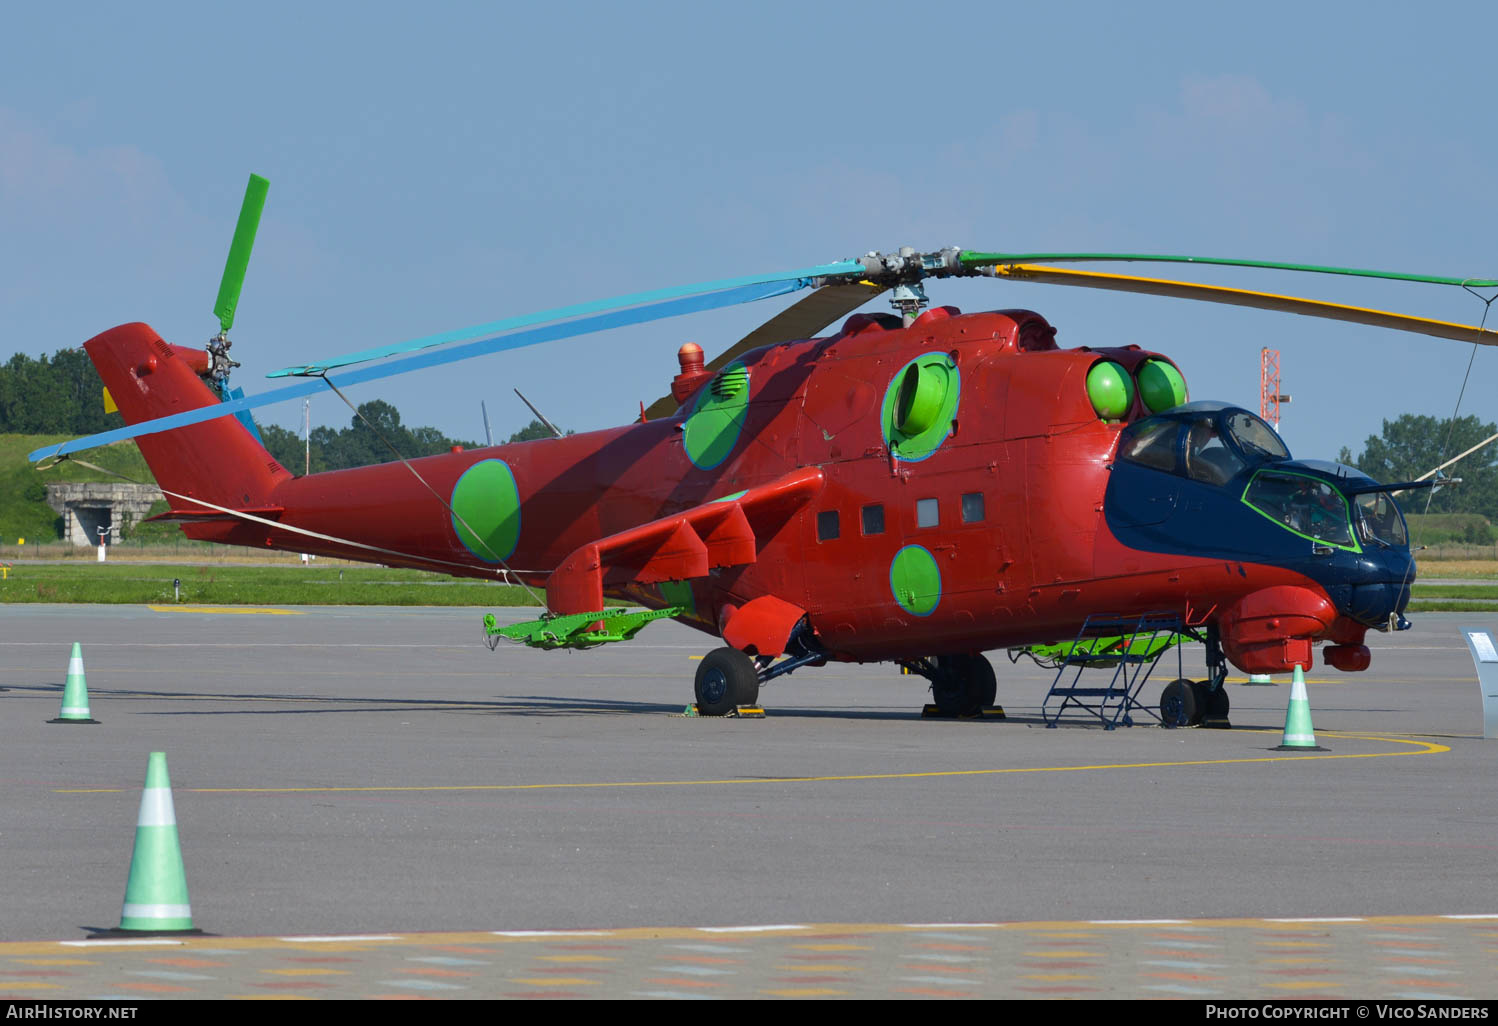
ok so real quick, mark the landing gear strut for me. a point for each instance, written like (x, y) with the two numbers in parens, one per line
(729, 678)
(1190, 703)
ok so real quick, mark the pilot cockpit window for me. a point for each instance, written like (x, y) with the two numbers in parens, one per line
(1255, 437)
(1152, 444)
(1306, 505)
(1208, 457)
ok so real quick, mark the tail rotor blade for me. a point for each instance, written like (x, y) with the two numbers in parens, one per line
(239, 251)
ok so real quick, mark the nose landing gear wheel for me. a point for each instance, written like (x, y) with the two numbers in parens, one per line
(726, 678)
(1178, 704)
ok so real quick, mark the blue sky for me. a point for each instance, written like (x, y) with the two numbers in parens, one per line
(444, 167)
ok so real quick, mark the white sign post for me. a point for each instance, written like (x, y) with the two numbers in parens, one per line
(1485, 656)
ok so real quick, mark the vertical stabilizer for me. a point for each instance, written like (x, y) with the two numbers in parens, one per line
(219, 460)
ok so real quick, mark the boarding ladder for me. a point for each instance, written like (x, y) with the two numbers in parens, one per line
(1130, 646)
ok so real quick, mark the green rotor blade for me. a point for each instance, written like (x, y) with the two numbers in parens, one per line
(239, 251)
(972, 259)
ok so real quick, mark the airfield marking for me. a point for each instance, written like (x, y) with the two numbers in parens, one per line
(1424, 748)
(760, 957)
(225, 609)
(787, 931)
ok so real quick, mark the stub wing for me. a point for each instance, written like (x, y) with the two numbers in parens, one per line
(721, 533)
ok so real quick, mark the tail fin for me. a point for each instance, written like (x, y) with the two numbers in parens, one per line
(218, 461)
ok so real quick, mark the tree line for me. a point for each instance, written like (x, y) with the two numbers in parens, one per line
(58, 396)
(1412, 445)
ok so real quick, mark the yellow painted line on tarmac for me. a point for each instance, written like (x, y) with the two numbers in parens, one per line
(798, 992)
(1422, 748)
(243, 610)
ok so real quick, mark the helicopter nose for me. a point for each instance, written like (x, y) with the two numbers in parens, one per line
(1374, 602)
(1383, 591)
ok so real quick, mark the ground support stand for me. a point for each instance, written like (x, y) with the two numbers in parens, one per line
(1128, 645)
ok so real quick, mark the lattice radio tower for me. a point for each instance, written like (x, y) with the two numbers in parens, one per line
(1270, 397)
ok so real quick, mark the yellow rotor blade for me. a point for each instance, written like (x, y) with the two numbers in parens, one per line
(1243, 297)
(802, 319)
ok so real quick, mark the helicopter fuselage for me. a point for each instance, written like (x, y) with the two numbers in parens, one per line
(946, 487)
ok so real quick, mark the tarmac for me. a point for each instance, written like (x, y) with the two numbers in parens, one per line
(373, 804)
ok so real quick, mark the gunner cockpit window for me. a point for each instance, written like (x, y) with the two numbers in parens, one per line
(1380, 520)
(1308, 506)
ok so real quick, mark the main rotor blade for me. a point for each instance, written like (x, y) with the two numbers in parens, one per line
(802, 319)
(239, 251)
(1242, 297)
(802, 275)
(971, 259)
(481, 347)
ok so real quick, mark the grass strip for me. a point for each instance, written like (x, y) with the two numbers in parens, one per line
(252, 585)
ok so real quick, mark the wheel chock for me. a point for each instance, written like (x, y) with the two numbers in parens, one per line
(992, 712)
(738, 712)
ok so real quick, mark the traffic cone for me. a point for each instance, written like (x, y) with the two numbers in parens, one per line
(1300, 736)
(1260, 678)
(156, 894)
(74, 692)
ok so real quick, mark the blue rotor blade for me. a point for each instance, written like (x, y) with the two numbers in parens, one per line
(563, 312)
(481, 347)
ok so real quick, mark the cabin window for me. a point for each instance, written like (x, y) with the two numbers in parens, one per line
(926, 513)
(873, 519)
(972, 507)
(827, 525)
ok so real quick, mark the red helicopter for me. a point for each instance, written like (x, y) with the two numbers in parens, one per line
(919, 487)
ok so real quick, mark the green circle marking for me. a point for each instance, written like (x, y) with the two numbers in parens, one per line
(1161, 386)
(487, 500)
(915, 580)
(718, 417)
(920, 405)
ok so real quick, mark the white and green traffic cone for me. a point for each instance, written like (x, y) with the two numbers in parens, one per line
(1260, 679)
(1300, 736)
(156, 894)
(74, 692)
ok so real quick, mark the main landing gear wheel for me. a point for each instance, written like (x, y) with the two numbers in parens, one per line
(1178, 704)
(964, 685)
(726, 678)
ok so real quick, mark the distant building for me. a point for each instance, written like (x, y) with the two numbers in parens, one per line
(88, 506)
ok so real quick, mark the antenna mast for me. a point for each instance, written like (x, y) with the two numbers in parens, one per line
(1270, 397)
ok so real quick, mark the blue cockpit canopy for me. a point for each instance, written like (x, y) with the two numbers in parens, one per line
(1218, 444)
(1211, 442)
